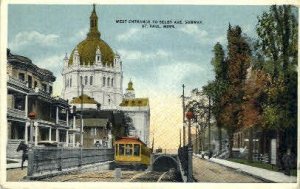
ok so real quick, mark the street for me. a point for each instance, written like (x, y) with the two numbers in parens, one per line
(205, 171)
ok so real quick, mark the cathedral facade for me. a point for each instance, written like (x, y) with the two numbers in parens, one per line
(93, 78)
(93, 69)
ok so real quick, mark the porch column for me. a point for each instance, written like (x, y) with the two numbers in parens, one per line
(36, 136)
(26, 115)
(50, 134)
(67, 119)
(74, 122)
(57, 110)
(26, 132)
(73, 141)
(67, 137)
(57, 135)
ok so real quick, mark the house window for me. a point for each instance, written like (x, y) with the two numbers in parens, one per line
(50, 89)
(35, 84)
(91, 80)
(98, 58)
(81, 80)
(103, 81)
(86, 80)
(22, 76)
(44, 87)
(112, 82)
(93, 131)
(29, 81)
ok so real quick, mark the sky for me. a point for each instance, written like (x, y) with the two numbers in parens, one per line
(157, 60)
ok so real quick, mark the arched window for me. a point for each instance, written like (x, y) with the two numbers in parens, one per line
(71, 82)
(86, 80)
(81, 82)
(112, 82)
(108, 82)
(67, 82)
(104, 81)
(91, 80)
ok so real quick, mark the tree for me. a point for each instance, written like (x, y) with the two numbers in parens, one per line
(255, 91)
(216, 88)
(238, 61)
(277, 41)
(199, 104)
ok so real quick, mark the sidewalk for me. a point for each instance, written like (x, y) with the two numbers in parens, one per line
(17, 164)
(267, 175)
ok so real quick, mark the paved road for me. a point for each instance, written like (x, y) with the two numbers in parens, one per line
(205, 171)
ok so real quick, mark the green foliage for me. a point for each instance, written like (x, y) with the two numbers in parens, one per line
(277, 32)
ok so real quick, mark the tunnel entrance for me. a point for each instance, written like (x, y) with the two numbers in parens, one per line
(164, 163)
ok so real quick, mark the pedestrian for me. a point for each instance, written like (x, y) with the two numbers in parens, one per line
(22, 146)
(287, 162)
(210, 154)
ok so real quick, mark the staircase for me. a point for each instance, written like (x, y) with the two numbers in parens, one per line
(11, 149)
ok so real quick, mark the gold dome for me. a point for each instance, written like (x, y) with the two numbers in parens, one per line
(87, 48)
(130, 86)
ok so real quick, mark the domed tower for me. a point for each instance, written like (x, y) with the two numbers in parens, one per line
(94, 68)
(129, 91)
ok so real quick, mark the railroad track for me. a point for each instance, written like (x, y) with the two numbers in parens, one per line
(109, 176)
(152, 176)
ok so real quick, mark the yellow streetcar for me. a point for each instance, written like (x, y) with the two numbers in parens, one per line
(132, 153)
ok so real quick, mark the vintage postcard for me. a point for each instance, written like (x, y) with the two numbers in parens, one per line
(131, 95)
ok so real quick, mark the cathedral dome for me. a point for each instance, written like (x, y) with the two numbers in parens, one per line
(88, 47)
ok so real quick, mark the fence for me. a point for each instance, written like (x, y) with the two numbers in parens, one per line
(49, 160)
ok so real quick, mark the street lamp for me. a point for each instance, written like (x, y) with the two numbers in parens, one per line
(189, 115)
(32, 116)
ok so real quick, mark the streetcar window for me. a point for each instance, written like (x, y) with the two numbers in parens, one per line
(136, 150)
(116, 149)
(121, 149)
(128, 150)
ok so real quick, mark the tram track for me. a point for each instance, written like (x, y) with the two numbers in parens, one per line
(150, 176)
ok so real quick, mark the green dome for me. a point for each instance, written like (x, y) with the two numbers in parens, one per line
(87, 51)
(88, 47)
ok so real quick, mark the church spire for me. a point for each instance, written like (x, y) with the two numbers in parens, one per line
(94, 33)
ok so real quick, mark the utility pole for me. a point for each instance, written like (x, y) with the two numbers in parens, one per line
(179, 138)
(183, 116)
(209, 123)
(81, 119)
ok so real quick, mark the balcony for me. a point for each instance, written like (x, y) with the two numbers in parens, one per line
(16, 114)
(16, 83)
(62, 123)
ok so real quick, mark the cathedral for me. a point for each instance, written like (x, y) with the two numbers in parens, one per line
(94, 66)
(94, 71)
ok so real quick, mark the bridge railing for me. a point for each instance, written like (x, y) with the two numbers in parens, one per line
(183, 157)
